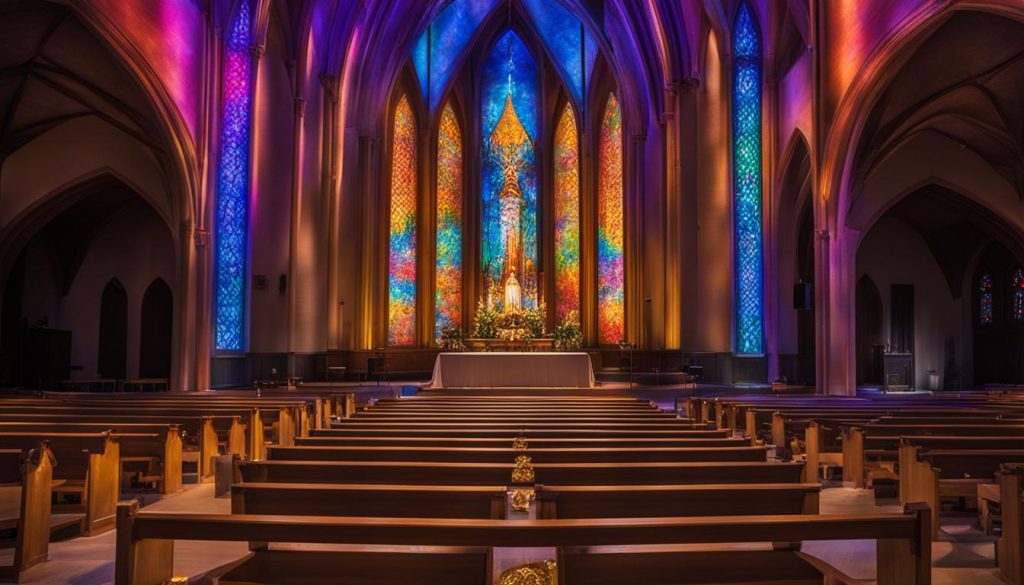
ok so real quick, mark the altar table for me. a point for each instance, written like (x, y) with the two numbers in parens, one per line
(513, 370)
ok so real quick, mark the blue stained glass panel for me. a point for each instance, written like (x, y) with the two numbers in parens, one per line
(509, 104)
(573, 48)
(232, 206)
(436, 51)
(746, 112)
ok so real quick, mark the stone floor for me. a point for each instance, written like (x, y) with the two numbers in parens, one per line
(962, 557)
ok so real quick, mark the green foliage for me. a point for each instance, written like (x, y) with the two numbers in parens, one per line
(568, 334)
(534, 321)
(485, 324)
(452, 339)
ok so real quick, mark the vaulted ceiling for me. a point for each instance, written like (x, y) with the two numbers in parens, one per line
(53, 70)
(966, 82)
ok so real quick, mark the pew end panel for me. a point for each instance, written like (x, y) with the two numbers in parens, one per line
(143, 562)
(1010, 547)
(34, 468)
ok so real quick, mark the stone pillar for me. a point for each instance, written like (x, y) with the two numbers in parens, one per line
(673, 219)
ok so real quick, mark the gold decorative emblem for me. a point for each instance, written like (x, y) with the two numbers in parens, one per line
(520, 443)
(523, 471)
(521, 500)
(543, 573)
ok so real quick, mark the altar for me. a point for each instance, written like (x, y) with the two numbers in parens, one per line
(513, 370)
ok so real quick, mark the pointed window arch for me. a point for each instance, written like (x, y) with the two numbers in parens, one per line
(746, 150)
(448, 268)
(567, 214)
(402, 242)
(570, 43)
(610, 228)
(231, 222)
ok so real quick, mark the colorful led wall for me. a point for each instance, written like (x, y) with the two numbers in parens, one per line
(231, 220)
(436, 53)
(448, 279)
(509, 107)
(746, 122)
(402, 243)
(610, 227)
(567, 214)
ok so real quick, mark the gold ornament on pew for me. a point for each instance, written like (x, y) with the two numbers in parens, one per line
(176, 581)
(523, 471)
(543, 573)
(520, 443)
(521, 500)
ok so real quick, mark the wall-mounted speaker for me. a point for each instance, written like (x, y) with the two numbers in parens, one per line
(803, 296)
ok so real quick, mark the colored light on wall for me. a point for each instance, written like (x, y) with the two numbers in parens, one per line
(1018, 295)
(437, 50)
(985, 299)
(567, 214)
(747, 184)
(509, 177)
(573, 48)
(402, 244)
(610, 227)
(448, 285)
(232, 207)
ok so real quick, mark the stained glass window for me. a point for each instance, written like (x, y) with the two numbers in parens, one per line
(436, 52)
(448, 291)
(610, 225)
(567, 215)
(985, 299)
(1018, 294)
(509, 107)
(746, 116)
(402, 258)
(231, 222)
(573, 48)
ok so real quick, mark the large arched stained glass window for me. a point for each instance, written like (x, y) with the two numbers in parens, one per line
(231, 222)
(402, 243)
(985, 299)
(1018, 294)
(448, 277)
(567, 215)
(610, 226)
(746, 122)
(509, 107)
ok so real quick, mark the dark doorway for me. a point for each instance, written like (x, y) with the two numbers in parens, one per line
(155, 338)
(113, 348)
(869, 331)
(805, 329)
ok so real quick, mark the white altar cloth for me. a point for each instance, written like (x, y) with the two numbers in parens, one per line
(513, 370)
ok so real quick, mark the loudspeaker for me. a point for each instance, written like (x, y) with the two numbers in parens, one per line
(803, 296)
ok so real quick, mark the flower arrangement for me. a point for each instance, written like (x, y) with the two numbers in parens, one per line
(452, 338)
(568, 335)
(485, 322)
(512, 326)
(534, 321)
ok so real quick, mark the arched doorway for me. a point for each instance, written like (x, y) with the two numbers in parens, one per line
(112, 362)
(869, 331)
(155, 336)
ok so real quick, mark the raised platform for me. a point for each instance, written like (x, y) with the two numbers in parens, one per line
(513, 370)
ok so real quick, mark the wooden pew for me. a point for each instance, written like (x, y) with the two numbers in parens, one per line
(1010, 547)
(201, 435)
(145, 540)
(493, 442)
(508, 454)
(652, 501)
(88, 465)
(26, 483)
(154, 449)
(420, 473)
(932, 474)
(393, 501)
(858, 442)
(510, 432)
